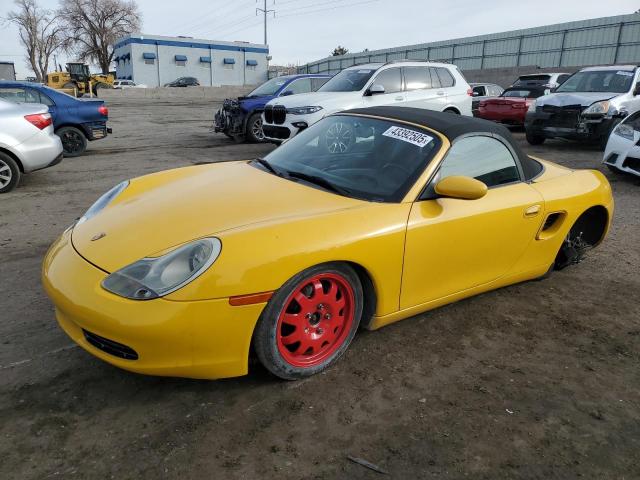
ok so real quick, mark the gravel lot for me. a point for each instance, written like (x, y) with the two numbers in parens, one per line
(538, 380)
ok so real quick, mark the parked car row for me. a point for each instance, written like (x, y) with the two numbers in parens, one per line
(72, 121)
(285, 106)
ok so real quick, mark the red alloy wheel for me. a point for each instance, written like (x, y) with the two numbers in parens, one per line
(316, 320)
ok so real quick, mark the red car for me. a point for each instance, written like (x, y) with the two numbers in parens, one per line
(510, 107)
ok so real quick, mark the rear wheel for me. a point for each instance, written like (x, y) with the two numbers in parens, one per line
(534, 139)
(310, 321)
(9, 173)
(74, 142)
(254, 133)
(586, 232)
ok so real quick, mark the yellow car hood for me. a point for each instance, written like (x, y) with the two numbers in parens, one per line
(160, 211)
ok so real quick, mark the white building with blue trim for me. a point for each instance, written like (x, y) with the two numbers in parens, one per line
(155, 60)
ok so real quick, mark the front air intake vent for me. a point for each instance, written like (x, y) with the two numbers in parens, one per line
(109, 346)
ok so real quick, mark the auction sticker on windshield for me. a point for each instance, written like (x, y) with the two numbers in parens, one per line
(407, 135)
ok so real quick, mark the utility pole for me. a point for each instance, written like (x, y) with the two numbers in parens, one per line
(266, 12)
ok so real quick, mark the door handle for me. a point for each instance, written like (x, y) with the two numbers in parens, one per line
(440, 93)
(399, 99)
(532, 211)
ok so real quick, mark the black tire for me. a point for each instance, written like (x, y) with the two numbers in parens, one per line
(615, 169)
(253, 131)
(534, 139)
(451, 110)
(99, 86)
(74, 142)
(9, 173)
(265, 338)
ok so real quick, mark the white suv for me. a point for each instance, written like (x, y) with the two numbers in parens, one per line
(434, 86)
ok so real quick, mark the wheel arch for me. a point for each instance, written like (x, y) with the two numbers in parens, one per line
(452, 109)
(370, 295)
(596, 221)
(14, 157)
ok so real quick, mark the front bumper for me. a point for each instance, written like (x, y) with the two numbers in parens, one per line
(201, 339)
(581, 127)
(290, 127)
(623, 154)
(229, 119)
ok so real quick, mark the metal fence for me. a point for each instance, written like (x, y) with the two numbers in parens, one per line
(599, 41)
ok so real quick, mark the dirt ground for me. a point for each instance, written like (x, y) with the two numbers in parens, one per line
(536, 381)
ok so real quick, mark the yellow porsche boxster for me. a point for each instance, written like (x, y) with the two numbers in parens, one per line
(368, 217)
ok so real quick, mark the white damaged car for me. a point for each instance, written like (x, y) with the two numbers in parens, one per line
(433, 86)
(622, 153)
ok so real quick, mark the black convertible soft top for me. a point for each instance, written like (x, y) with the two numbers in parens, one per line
(453, 126)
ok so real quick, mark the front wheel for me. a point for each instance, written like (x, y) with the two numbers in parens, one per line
(310, 321)
(9, 173)
(74, 142)
(534, 139)
(254, 133)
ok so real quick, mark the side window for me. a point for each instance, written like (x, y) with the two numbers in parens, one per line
(435, 81)
(483, 158)
(390, 79)
(446, 79)
(42, 98)
(480, 90)
(563, 78)
(416, 78)
(316, 83)
(495, 90)
(14, 94)
(302, 85)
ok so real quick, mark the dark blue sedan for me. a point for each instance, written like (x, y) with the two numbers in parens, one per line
(242, 117)
(76, 120)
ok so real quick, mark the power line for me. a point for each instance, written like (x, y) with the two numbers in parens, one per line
(327, 9)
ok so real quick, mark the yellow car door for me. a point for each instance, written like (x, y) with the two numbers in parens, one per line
(455, 244)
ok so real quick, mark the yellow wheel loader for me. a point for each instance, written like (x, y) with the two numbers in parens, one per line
(78, 81)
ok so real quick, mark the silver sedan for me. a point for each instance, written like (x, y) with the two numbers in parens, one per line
(27, 142)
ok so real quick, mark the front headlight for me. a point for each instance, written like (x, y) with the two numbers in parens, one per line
(103, 201)
(158, 276)
(532, 107)
(625, 131)
(304, 110)
(598, 108)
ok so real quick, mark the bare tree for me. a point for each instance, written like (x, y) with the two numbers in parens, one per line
(93, 26)
(339, 50)
(40, 33)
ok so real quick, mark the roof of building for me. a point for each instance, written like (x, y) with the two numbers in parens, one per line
(453, 126)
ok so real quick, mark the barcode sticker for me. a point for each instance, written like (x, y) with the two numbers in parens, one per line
(407, 135)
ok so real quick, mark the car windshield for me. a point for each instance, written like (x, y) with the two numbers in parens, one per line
(350, 80)
(523, 92)
(359, 157)
(613, 81)
(268, 88)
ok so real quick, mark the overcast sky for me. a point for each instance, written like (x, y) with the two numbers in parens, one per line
(306, 30)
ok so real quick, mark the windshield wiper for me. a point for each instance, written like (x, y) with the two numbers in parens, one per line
(320, 181)
(268, 166)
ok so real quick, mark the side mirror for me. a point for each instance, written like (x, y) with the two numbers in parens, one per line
(464, 188)
(636, 91)
(475, 94)
(286, 93)
(376, 89)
